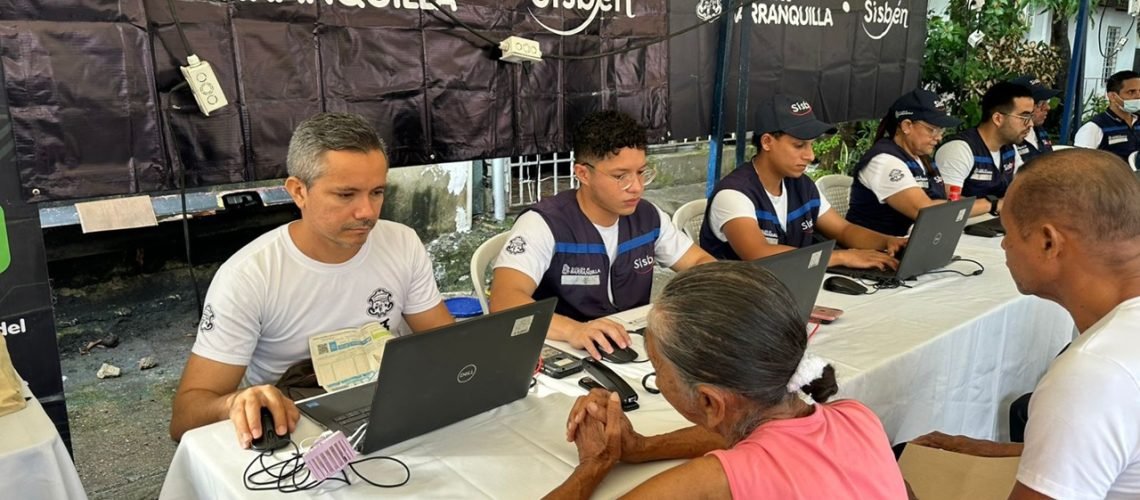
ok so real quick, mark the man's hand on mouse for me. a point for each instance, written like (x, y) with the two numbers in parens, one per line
(245, 412)
(601, 330)
(866, 259)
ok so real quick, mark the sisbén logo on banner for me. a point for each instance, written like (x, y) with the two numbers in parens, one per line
(877, 20)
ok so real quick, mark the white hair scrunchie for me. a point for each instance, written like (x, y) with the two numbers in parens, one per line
(810, 368)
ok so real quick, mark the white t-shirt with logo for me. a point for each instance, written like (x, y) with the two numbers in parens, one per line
(530, 246)
(731, 204)
(1083, 436)
(955, 160)
(887, 175)
(269, 298)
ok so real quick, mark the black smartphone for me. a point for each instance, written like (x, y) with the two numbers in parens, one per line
(558, 364)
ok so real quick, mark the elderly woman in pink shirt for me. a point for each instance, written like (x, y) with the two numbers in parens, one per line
(729, 348)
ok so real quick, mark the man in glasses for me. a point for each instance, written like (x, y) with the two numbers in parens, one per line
(981, 160)
(1036, 141)
(1115, 130)
(594, 247)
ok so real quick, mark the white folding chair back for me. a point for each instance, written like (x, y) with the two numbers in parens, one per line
(689, 218)
(837, 189)
(480, 261)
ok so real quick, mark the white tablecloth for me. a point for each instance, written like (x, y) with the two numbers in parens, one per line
(34, 464)
(948, 354)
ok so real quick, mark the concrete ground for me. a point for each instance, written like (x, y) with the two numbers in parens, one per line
(119, 425)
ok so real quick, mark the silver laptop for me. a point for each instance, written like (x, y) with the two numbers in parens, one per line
(801, 270)
(432, 379)
(932, 243)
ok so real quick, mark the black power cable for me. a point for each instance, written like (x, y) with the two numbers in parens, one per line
(178, 27)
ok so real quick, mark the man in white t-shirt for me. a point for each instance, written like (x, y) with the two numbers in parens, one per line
(1073, 237)
(982, 160)
(337, 267)
(595, 247)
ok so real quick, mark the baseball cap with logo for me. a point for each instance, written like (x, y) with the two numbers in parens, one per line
(921, 105)
(1039, 90)
(790, 115)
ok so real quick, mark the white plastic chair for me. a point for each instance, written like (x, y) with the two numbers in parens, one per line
(1132, 160)
(1058, 147)
(689, 218)
(837, 189)
(480, 261)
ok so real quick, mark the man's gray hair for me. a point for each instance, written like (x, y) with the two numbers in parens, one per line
(326, 132)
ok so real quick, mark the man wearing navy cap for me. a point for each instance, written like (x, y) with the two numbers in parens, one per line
(1037, 141)
(768, 205)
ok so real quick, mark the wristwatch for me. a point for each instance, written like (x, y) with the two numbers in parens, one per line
(993, 204)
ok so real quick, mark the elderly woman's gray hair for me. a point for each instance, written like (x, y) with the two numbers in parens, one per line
(326, 132)
(734, 325)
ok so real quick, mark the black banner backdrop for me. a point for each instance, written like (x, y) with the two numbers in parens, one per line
(849, 60)
(95, 110)
(26, 318)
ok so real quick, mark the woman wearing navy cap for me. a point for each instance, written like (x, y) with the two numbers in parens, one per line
(896, 178)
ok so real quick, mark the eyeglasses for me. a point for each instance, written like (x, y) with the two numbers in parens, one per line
(1025, 119)
(625, 181)
(934, 131)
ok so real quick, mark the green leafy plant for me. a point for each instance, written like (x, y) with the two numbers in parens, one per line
(961, 73)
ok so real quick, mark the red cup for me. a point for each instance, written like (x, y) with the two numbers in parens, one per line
(955, 193)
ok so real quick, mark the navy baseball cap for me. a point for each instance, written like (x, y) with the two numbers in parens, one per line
(1039, 90)
(921, 104)
(790, 115)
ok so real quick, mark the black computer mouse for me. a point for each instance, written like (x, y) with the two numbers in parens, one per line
(847, 286)
(619, 356)
(270, 440)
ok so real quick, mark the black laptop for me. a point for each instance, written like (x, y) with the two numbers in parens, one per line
(987, 228)
(801, 270)
(932, 243)
(436, 378)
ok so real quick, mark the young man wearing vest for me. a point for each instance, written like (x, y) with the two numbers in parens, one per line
(768, 205)
(895, 178)
(981, 160)
(594, 247)
(1116, 130)
(1037, 141)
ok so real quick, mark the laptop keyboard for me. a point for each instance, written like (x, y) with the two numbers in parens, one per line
(354, 418)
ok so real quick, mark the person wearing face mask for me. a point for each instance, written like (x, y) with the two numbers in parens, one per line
(980, 161)
(1116, 129)
(1036, 141)
(768, 205)
(896, 178)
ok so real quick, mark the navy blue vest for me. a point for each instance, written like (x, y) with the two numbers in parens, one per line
(803, 210)
(986, 178)
(865, 209)
(1118, 138)
(1028, 151)
(580, 271)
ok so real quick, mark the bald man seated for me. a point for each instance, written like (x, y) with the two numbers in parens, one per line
(1073, 236)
